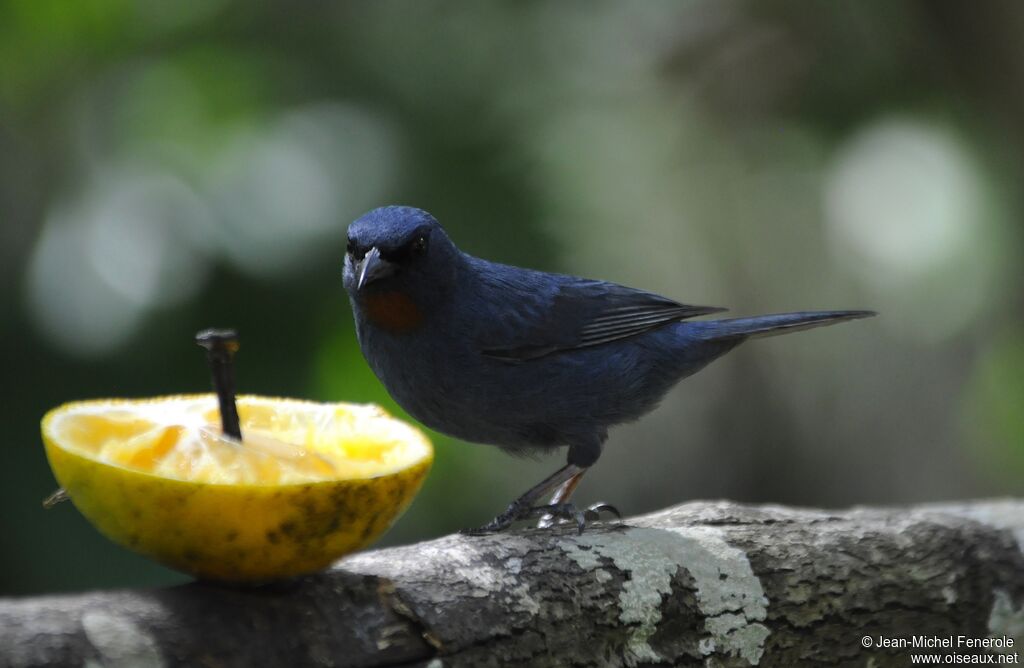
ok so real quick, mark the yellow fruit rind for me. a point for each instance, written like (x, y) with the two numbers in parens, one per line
(244, 533)
(236, 533)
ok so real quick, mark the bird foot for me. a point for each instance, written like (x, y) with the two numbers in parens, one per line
(558, 513)
(565, 512)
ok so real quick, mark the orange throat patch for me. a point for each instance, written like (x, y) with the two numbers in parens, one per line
(393, 311)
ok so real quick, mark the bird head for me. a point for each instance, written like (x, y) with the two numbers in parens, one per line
(399, 254)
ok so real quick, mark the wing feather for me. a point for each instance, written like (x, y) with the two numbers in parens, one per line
(580, 314)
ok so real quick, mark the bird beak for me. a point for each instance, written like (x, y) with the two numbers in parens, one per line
(372, 267)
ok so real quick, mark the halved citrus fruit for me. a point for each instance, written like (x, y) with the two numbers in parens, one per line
(307, 484)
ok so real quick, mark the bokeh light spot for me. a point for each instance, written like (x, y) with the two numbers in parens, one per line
(909, 215)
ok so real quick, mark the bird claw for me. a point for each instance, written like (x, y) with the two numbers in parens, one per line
(515, 511)
(494, 526)
(594, 511)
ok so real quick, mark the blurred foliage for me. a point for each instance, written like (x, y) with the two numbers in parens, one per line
(995, 409)
(166, 167)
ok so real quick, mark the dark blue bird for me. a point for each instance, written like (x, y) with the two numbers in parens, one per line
(523, 359)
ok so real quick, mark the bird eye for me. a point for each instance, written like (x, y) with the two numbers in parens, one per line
(353, 250)
(419, 246)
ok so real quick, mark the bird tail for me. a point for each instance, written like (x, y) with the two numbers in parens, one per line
(777, 323)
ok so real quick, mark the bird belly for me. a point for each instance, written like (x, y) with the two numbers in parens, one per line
(535, 405)
(436, 384)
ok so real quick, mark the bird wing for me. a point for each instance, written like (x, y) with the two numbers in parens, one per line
(574, 313)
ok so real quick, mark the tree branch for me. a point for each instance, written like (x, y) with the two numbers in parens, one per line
(701, 583)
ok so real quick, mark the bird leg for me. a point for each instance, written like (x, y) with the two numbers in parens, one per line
(564, 480)
(561, 495)
(521, 507)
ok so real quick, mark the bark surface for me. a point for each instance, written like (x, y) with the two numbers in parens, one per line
(715, 584)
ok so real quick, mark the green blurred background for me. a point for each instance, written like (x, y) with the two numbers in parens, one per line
(168, 166)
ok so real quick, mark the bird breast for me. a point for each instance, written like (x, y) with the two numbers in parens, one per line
(392, 311)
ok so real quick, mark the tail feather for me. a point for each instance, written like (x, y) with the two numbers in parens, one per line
(777, 323)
